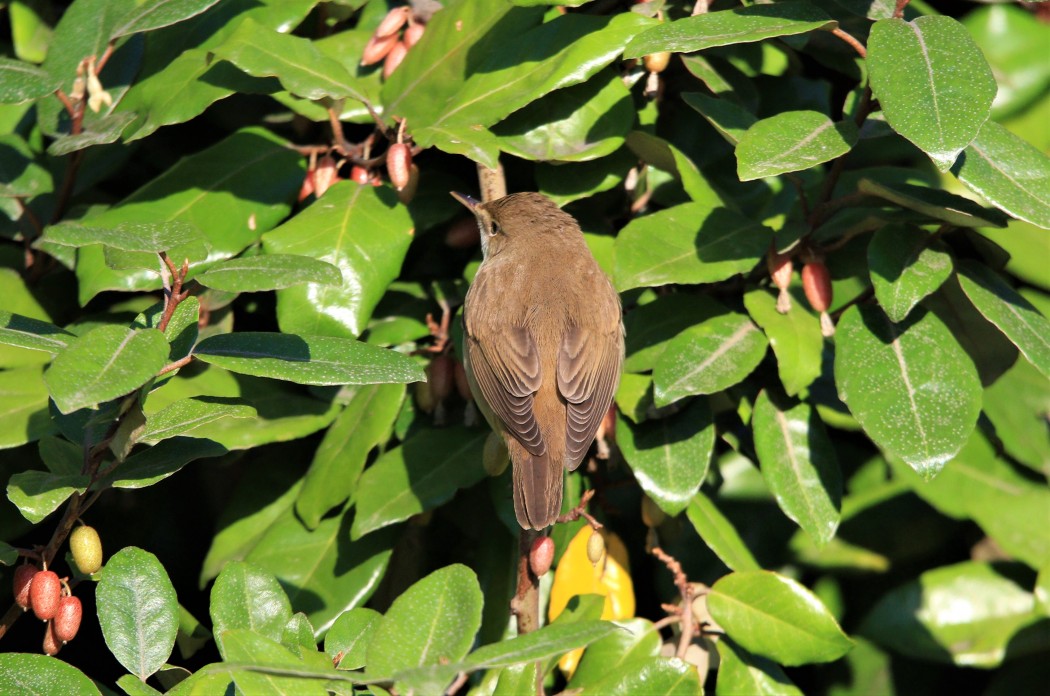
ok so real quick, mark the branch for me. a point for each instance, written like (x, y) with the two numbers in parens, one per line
(685, 611)
(898, 12)
(848, 38)
(491, 182)
(581, 511)
(526, 603)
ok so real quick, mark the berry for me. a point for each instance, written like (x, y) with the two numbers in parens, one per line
(45, 591)
(377, 48)
(394, 20)
(657, 62)
(23, 578)
(462, 383)
(440, 373)
(326, 174)
(86, 548)
(406, 194)
(541, 555)
(51, 644)
(67, 620)
(780, 271)
(398, 162)
(816, 282)
(413, 34)
(393, 59)
(595, 547)
(359, 174)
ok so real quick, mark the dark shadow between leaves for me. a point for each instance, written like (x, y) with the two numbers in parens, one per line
(720, 226)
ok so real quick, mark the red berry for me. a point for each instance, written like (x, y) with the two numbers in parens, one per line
(51, 644)
(780, 270)
(393, 58)
(44, 594)
(413, 34)
(816, 282)
(398, 162)
(326, 174)
(67, 620)
(23, 577)
(308, 186)
(394, 20)
(541, 556)
(377, 48)
(359, 174)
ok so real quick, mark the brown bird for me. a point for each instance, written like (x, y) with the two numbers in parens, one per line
(544, 344)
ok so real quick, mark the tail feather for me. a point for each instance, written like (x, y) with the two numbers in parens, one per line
(537, 487)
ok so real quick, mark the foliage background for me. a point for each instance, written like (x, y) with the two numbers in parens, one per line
(915, 509)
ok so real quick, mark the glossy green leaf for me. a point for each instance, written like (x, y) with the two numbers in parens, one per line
(719, 534)
(103, 364)
(20, 174)
(658, 676)
(776, 617)
(30, 33)
(37, 494)
(433, 621)
(1016, 404)
(794, 337)
(33, 334)
(424, 472)
(137, 610)
(728, 27)
(350, 635)
(729, 119)
(933, 83)
(1008, 36)
(39, 675)
(934, 203)
(548, 642)
(911, 386)
(905, 267)
(265, 665)
(23, 406)
(103, 131)
(575, 124)
(129, 236)
(636, 640)
(686, 244)
(301, 67)
(708, 357)
(359, 229)
(269, 272)
(799, 464)
(650, 327)
(1009, 173)
(665, 156)
(155, 464)
(922, 618)
(740, 672)
(516, 680)
(669, 456)
(790, 142)
(365, 423)
(155, 14)
(320, 360)
(22, 82)
(1012, 314)
(185, 416)
(245, 596)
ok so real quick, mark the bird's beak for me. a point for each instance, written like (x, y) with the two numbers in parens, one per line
(467, 201)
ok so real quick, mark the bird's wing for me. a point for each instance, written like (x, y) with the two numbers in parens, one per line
(589, 364)
(506, 367)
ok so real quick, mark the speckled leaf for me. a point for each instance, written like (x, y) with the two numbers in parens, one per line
(794, 337)
(244, 647)
(933, 83)
(905, 267)
(347, 640)
(105, 363)
(1016, 404)
(186, 415)
(1012, 314)
(708, 357)
(30, 674)
(637, 639)
(670, 456)
(102, 131)
(22, 82)
(911, 386)
(688, 243)
(934, 203)
(719, 534)
(790, 142)
(268, 272)
(740, 672)
(799, 464)
(127, 236)
(23, 332)
(20, 174)
(364, 232)
(650, 327)
(727, 27)
(729, 119)
(776, 617)
(155, 14)
(245, 596)
(37, 494)
(654, 676)
(319, 360)
(1009, 173)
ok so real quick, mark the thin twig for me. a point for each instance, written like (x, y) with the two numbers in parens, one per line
(101, 62)
(898, 12)
(581, 511)
(849, 38)
(181, 362)
(685, 612)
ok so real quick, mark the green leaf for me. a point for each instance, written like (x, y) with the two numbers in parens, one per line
(22, 82)
(133, 686)
(155, 14)
(303, 69)
(932, 82)
(1007, 35)
(23, 406)
(686, 244)
(324, 572)
(708, 357)
(905, 267)
(137, 610)
(20, 174)
(1015, 405)
(790, 142)
(1012, 314)
(650, 327)
(740, 672)
(102, 131)
(33, 334)
(921, 618)
(269, 272)
(669, 456)
(103, 364)
(728, 27)
(911, 386)
(776, 617)
(162, 460)
(719, 534)
(244, 596)
(664, 156)
(729, 119)
(365, 233)
(934, 203)
(187, 415)
(794, 337)
(319, 360)
(659, 676)
(349, 637)
(129, 236)
(37, 494)
(40, 675)
(423, 473)
(433, 621)
(364, 424)
(799, 464)
(548, 642)
(636, 640)
(267, 667)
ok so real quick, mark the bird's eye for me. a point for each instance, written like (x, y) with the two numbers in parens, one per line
(495, 229)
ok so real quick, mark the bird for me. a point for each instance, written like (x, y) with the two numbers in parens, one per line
(543, 344)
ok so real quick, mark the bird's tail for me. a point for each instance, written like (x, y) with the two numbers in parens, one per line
(537, 487)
